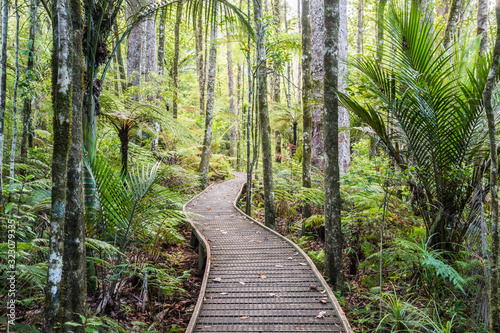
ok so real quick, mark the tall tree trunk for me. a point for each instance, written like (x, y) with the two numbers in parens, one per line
(317, 73)
(200, 70)
(361, 25)
(239, 95)
(119, 58)
(344, 117)
(27, 136)
(333, 244)
(62, 69)
(175, 69)
(276, 82)
(209, 116)
(232, 107)
(451, 25)
(75, 257)
(482, 21)
(124, 136)
(288, 65)
(265, 126)
(161, 41)
(490, 114)
(14, 102)
(3, 85)
(307, 105)
(134, 45)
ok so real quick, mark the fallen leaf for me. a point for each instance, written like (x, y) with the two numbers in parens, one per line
(290, 258)
(262, 276)
(244, 317)
(321, 314)
(324, 291)
(322, 301)
(313, 287)
(303, 264)
(223, 293)
(217, 280)
(241, 282)
(280, 266)
(273, 295)
(209, 208)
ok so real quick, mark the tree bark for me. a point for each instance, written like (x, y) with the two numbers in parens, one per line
(75, 257)
(344, 117)
(239, 96)
(276, 82)
(451, 25)
(119, 58)
(265, 126)
(200, 70)
(14, 102)
(62, 69)
(175, 69)
(232, 107)
(334, 239)
(317, 72)
(3, 86)
(482, 21)
(161, 41)
(27, 136)
(209, 116)
(307, 105)
(361, 24)
(490, 114)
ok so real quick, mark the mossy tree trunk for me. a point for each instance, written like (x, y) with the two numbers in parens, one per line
(276, 81)
(209, 115)
(74, 258)
(333, 243)
(27, 136)
(307, 118)
(482, 25)
(62, 87)
(452, 23)
(3, 85)
(200, 68)
(14, 101)
(490, 114)
(265, 126)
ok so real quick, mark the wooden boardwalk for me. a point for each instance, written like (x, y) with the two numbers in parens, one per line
(255, 280)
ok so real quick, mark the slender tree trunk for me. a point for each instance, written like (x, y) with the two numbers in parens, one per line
(62, 69)
(27, 136)
(265, 126)
(451, 25)
(119, 58)
(288, 65)
(239, 94)
(307, 105)
(232, 107)
(333, 244)
(14, 102)
(344, 117)
(200, 68)
(75, 257)
(482, 25)
(209, 116)
(276, 82)
(277, 149)
(361, 25)
(3, 85)
(175, 69)
(161, 41)
(490, 114)
(317, 74)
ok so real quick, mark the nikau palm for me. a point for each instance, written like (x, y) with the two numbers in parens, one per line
(429, 118)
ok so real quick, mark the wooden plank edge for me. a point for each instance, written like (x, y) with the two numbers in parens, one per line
(205, 244)
(331, 296)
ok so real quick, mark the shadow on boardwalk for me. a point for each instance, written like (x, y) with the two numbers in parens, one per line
(255, 279)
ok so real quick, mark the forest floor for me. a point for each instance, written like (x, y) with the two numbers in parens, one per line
(169, 315)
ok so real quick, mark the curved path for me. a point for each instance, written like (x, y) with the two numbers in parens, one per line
(255, 279)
